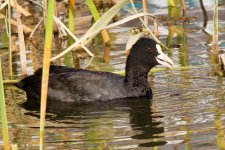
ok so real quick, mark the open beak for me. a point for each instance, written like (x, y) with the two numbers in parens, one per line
(163, 59)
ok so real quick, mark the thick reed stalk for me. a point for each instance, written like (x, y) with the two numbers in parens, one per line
(46, 64)
(145, 10)
(184, 8)
(171, 3)
(21, 42)
(96, 16)
(215, 27)
(9, 35)
(3, 113)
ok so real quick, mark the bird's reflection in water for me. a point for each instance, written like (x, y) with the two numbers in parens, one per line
(137, 111)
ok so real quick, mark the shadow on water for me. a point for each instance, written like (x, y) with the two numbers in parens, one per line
(141, 118)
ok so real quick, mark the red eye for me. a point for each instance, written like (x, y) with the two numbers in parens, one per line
(150, 49)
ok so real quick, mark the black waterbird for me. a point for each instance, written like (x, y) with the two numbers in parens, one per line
(82, 86)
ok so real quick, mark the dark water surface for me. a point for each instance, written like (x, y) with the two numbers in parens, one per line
(186, 111)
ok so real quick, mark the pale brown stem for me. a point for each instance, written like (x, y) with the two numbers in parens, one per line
(156, 31)
(184, 8)
(145, 10)
(21, 41)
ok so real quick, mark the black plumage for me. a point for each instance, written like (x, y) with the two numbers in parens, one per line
(82, 86)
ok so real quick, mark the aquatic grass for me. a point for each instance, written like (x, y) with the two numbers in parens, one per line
(175, 12)
(63, 28)
(71, 20)
(96, 16)
(72, 35)
(46, 66)
(3, 113)
(215, 27)
(68, 59)
(171, 3)
(21, 41)
(149, 30)
(86, 38)
(99, 24)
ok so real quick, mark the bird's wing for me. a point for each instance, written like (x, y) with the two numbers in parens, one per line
(85, 85)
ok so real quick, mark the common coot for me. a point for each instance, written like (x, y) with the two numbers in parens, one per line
(81, 86)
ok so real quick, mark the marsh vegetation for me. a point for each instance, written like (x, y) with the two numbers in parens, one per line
(187, 109)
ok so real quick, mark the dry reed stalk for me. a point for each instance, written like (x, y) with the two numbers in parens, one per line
(36, 27)
(145, 10)
(72, 35)
(22, 47)
(156, 31)
(184, 8)
(90, 34)
(20, 8)
(107, 54)
(26, 29)
(215, 27)
(10, 39)
(149, 30)
(106, 37)
(2, 16)
(63, 28)
(3, 5)
(96, 16)
(44, 2)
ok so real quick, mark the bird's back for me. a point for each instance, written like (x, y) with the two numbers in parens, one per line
(75, 85)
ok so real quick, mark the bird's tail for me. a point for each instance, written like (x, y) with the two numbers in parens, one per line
(20, 84)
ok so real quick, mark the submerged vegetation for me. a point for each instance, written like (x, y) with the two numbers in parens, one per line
(58, 28)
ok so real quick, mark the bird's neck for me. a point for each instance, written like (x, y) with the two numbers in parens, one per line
(136, 75)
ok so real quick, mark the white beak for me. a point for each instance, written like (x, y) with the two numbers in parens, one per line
(163, 59)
